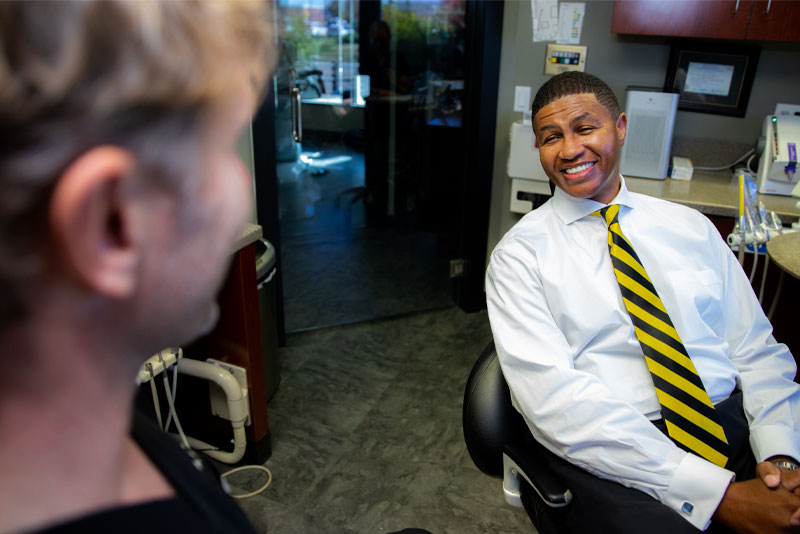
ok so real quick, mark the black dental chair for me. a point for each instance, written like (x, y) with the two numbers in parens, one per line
(500, 444)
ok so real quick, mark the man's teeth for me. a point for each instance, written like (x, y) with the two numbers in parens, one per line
(579, 168)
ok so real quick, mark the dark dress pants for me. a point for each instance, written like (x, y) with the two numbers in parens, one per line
(602, 506)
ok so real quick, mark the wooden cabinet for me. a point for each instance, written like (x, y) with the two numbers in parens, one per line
(720, 19)
(771, 20)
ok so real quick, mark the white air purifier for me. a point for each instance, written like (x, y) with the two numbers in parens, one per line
(651, 117)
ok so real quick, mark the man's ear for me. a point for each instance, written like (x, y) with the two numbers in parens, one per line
(93, 221)
(622, 126)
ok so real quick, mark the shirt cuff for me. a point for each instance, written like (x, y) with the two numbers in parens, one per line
(697, 489)
(773, 440)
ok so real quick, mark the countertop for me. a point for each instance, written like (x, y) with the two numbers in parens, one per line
(250, 234)
(784, 250)
(712, 193)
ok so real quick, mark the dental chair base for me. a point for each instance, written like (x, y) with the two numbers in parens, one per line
(500, 444)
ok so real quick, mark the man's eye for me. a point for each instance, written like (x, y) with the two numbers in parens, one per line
(585, 129)
(549, 139)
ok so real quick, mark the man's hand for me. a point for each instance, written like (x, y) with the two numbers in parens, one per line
(752, 507)
(773, 476)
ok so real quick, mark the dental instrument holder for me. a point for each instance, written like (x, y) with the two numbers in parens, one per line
(743, 241)
(778, 164)
(755, 225)
(742, 227)
(228, 396)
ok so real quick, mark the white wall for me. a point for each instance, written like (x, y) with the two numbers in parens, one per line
(244, 146)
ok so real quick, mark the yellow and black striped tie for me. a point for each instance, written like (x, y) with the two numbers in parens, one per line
(688, 412)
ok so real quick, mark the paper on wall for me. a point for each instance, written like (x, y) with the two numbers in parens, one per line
(570, 22)
(708, 79)
(545, 20)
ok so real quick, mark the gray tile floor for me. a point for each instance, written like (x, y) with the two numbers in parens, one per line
(366, 433)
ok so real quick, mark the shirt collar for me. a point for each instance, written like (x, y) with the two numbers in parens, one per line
(570, 209)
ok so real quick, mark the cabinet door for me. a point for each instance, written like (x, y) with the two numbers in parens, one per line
(720, 19)
(773, 20)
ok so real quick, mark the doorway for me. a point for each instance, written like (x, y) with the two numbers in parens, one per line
(374, 178)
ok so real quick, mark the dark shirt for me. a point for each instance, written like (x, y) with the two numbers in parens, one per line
(200, 506)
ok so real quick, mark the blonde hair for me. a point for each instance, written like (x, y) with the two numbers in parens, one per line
(75, 74)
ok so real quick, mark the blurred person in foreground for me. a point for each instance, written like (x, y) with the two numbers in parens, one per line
(121, 195)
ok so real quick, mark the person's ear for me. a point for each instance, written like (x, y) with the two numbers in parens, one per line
(622, 125)
(93, 221)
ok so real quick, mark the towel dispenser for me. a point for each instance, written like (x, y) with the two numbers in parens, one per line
(525, 169)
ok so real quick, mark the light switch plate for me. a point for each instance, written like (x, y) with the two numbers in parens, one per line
(522, 98)
(561, 58)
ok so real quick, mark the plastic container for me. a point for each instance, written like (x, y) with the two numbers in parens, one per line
(267, 312)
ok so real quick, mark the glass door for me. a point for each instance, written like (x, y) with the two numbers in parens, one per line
(369, 140)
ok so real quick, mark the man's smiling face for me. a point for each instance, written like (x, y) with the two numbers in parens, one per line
(579, 144)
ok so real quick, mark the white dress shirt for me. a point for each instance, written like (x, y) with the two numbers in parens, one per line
(573, 363)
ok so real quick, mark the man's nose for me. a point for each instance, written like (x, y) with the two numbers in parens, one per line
(571, 147)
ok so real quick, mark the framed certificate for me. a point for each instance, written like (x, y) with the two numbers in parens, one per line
(711, 78)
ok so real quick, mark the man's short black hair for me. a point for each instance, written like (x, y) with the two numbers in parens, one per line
(575, 83)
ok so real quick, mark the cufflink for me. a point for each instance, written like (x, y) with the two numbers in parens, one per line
(687, 508)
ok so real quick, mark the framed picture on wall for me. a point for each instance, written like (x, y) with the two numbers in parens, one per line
(711, 78)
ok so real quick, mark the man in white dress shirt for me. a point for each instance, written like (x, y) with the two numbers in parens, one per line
(575, 367)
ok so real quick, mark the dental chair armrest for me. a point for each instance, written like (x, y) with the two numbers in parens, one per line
(532, 466)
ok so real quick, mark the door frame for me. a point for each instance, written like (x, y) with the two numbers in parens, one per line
(266, 181)
(483, 42)
(483, 39)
